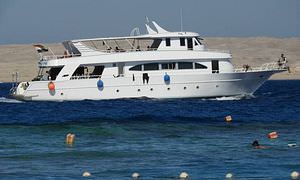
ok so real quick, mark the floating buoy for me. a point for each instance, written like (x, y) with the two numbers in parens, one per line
(273, 135)
(135, 175)
(70, 139)
(183, 175)
(294, 175)
(229, 176)
(100, 84)
(86, 174)
(167, 78)
(51, 86)
(228, 118)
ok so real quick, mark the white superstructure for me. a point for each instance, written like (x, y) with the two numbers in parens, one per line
(160, 64)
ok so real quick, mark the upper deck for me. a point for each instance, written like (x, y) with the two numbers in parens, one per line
(159, 40)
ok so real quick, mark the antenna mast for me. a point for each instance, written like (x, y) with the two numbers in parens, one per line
(181, 23)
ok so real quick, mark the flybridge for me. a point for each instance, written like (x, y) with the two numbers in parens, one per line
(151, 33)
(158, 39)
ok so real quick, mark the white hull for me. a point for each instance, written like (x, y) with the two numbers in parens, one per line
(181, 86)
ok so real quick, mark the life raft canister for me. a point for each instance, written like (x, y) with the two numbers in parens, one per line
(51, 86)
(273, 135)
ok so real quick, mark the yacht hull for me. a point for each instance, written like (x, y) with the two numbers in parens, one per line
(180, 86)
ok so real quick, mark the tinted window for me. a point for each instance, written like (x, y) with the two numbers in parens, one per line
(168, 65)
(200, 66)
(79, 71)
(190, 43)
(215, 66)
(150, 66)
(185, 65)
(199, 40)
(156, 43)
(168, 42)
(136, 68)
(182, 41)
(53, 72)
(98, 70)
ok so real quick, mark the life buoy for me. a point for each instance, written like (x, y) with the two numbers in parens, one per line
(51, 86)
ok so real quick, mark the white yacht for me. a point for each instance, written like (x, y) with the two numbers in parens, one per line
(159, 64)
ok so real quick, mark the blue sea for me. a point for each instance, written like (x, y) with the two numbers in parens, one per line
(156, 138)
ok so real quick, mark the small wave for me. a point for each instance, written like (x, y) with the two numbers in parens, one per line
(7, 100)
(233, 98)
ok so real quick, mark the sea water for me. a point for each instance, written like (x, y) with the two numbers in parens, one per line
(156, 138)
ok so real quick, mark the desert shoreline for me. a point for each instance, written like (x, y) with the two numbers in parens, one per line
(253, 51)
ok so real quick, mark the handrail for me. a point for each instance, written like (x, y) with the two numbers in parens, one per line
(265, 67)
(110, 51)
(85, 77)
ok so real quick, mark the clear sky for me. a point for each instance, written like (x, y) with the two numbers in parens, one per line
(46, 21)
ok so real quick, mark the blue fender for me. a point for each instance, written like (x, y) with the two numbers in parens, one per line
(100, 84)
(167, 78)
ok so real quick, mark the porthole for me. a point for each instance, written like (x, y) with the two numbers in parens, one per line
(197, 87)
(139, 90)
(168, 89)
(151, 89)
(117, 90)
(217, 85)
(61, 93)
(184, 88)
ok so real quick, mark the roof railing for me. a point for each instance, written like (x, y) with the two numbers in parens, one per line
(110, 51)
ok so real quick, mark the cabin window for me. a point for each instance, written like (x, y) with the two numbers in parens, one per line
(136, 68)
(168, 42)
(88, 72)
(168, 65)
(151, 67)
(98, 70)
(185, 65)
(79, 71)
(182, 41)
(200, 66)
(53, 72)
(215, 66)
(155, 44)
(199, 40)
(190, 43)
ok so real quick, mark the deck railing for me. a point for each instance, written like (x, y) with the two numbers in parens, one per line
(110, 51)
(265, 67)
(85, 77)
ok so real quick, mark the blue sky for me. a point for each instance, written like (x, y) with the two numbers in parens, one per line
(46, 21)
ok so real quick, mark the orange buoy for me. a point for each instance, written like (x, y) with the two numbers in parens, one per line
(70, 139)
(51, 86)
(273, 135)
(228, 118)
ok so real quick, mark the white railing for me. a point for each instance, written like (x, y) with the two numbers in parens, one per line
(109, 51)
(85, 77)
(264, 67)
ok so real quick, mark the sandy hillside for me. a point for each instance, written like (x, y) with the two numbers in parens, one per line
(252, 51)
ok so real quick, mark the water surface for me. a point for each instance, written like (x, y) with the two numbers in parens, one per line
(157, 138)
